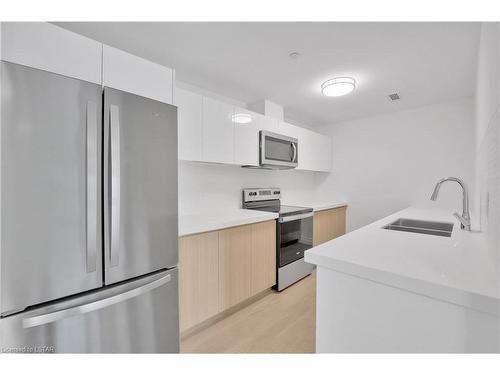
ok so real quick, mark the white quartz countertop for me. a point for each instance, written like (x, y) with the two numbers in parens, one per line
(318, 205)
(220, 219)
(456, 269)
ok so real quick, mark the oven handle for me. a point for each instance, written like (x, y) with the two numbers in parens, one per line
(286, 219)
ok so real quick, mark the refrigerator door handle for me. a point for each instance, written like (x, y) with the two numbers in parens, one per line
(43, 319)
(91, 212)
(114, 121)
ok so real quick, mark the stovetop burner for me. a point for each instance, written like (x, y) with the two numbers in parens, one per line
(268, 200)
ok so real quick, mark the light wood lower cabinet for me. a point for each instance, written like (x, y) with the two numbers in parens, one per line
(223, 268)
(328, 224)
(198, 278)
(235, 265)
(263, 256)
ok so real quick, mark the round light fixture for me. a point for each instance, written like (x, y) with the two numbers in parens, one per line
(338, 86)
(242, 118)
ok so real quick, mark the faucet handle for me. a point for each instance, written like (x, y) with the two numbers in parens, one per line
(465, 223)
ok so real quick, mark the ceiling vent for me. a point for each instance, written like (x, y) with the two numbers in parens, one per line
(394, 96)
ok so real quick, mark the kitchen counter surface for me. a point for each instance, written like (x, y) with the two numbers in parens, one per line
(215, 220)
(456, 269)
(318, 205)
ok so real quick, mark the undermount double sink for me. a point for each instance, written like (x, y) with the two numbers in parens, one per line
(434, 228)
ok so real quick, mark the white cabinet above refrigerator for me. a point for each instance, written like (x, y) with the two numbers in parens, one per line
(130, 73)
(51, 48)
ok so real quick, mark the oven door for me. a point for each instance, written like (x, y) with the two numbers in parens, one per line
(295, 235)
(278, 150)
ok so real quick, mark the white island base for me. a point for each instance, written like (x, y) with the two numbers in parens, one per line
(386, 291)
(356, 315)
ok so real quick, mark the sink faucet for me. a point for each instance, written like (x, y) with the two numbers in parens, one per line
(465, 217)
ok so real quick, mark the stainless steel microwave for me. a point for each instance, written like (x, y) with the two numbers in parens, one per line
(277, 151)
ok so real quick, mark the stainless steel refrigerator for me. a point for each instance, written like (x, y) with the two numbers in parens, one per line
(88, 217)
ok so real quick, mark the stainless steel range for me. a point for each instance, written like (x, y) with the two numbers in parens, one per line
(294, 234)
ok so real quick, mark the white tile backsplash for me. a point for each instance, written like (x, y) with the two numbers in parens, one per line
(204, 187)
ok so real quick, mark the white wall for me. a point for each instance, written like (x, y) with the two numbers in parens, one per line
(205, 187)
(487, 135)
(386, 163)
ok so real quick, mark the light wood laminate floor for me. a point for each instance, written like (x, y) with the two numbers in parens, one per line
(277, 323)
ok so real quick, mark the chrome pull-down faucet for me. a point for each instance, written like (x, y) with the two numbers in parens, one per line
(465, 217)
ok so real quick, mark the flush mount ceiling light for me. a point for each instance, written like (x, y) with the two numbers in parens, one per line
(242, 118)
(338, 86)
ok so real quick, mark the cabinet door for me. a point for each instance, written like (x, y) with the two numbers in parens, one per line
(308, 150)
(323, 155)
(189, 115)
(198, 278)
(218, 131)
(235, 265)
(328, 224)
(246, 137)
(263, 256)
(315, 151)
(288, 129)
(51, 48)
(126, 72)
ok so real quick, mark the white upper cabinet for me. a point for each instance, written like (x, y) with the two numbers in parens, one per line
(51, 48)
(323, 153)
(246, 136)
(307, 150)
(315, 150)
(288, 129)
(127, 72)
(189, 114)
(218, 131)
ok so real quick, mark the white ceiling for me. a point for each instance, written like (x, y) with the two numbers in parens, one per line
(425, 62)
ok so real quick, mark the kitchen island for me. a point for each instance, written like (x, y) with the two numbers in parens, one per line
(382, 290)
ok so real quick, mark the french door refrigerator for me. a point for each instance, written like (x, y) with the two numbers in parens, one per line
(88, 217)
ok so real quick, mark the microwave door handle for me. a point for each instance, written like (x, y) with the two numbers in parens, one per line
(294, 147)
(114, 122)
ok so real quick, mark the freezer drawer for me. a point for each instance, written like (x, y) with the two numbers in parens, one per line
(139, 316)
